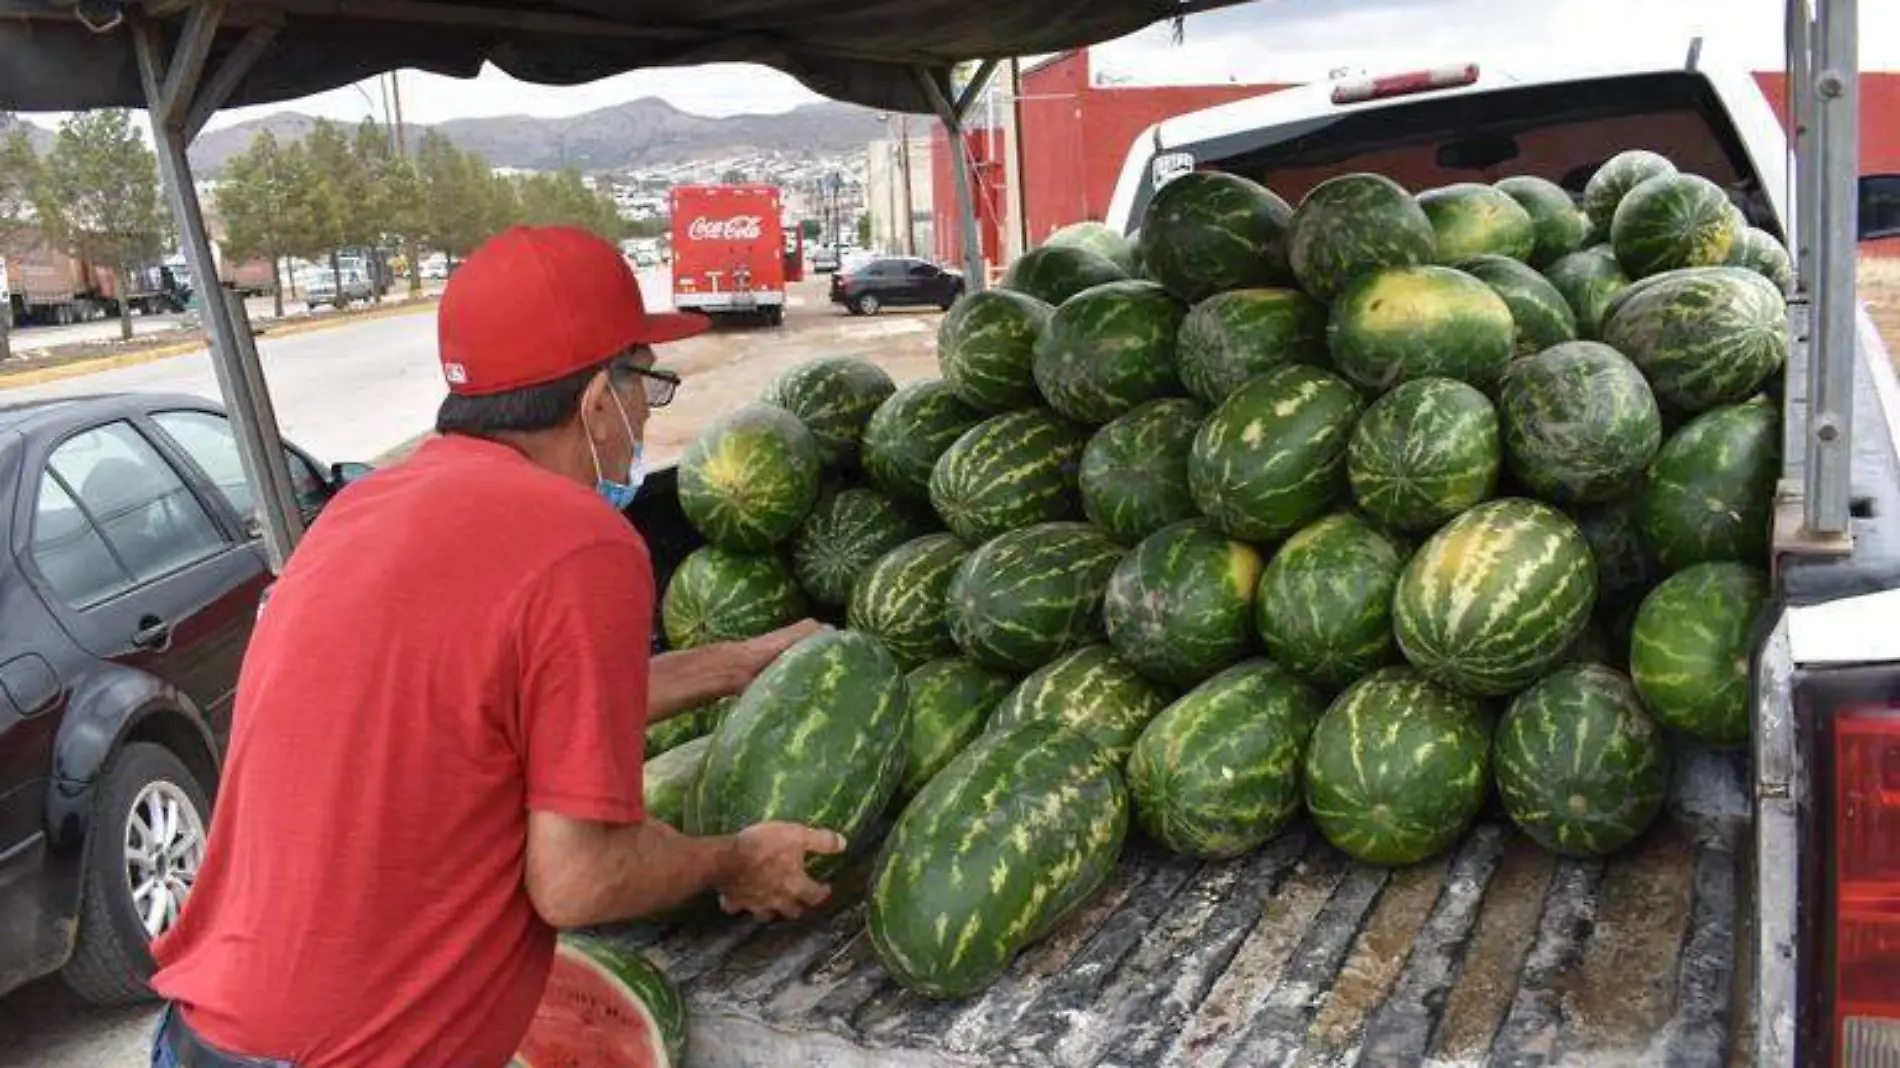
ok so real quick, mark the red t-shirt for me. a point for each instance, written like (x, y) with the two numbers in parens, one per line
(461, 638)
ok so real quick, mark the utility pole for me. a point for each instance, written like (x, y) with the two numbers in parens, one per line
(395, 90)
(907, 212)
(1016, 239)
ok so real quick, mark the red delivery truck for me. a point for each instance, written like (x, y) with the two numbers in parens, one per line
(728, 251)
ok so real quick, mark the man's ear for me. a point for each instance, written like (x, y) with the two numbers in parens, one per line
(596, 404)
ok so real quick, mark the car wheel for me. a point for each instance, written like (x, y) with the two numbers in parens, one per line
(868, 304)
(146, 846)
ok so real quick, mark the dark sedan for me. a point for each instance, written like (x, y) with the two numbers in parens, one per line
(895, 282)
(129, 587)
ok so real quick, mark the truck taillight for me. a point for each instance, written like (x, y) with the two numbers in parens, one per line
(1866, 857)
(1359, 90)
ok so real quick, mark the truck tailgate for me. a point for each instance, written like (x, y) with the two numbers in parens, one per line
(1496, 952)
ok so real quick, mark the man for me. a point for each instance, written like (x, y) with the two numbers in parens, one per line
(437, 747)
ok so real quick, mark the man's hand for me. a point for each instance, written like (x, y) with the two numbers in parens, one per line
(768, 877)
(688, 678)
(762, 650)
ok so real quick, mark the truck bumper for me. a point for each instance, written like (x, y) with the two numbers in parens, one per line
(729, 302)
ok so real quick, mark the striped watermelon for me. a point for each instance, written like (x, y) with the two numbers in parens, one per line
(907, 434)
(1238, 335)
(1614, 180)
(1324, 606)
(1217, 773)
(900, 599)
(1626, 564)
(1588, 280)
(1395, 325)
(1560, 225)
(818, 738)
(1397, 767)
(1207, 232)
(1540, 315)
(1355, 224)
(1091, 691)
(1672, 221)
(682, 727)
(845, 534)
(606, 1006)
(747, 481)
(1471, 219)
(1580, 424)
(668, 777)
(1028, 596)
(1133, 477)
(1008, 472)
(1762, 252)
(1581, 767)
(1711, 490)
(1054, 273)
(1180, 606)
(1099, 239)
(949, 702)
(986, 348)
(1493, 598)
(1272, 457)
(1007, 840)
(1704, 337)
(834, 396)
(1689, 652)
(1108, 349)
(717, 596)
(1423, 453)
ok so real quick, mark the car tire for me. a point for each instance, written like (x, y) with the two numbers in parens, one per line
(112, 957)
(867, 304)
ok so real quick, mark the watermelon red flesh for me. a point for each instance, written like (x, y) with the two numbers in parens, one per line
(1703, 336)
(1471, 219)
(1589, 280)
(1689, 650)
(1272, 458)
(986, 348)
(1711, 489)
(1672, 221)
(1560, 225)
(1423, 453)
(1206, 232)
(1009, 472)
(1355, 224)
(1233, 337)
(1133, 477)
(1540, 314)
(1580, 423)
(605, 1007)
(834, 396)
(1396, 325)
(1179, 607)
(1108, 349)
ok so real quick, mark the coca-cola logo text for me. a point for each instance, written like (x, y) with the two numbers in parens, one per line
(737, 228)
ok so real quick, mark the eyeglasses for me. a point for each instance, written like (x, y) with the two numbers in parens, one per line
(658, 385)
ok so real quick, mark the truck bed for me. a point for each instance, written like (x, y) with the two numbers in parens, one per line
(1495, 953)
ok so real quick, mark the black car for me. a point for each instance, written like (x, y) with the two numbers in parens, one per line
(129, 588)
(893, 282)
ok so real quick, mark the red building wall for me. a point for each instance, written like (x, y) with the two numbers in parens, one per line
(1879, 128)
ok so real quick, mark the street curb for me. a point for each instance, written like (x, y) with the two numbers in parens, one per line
(41, 375)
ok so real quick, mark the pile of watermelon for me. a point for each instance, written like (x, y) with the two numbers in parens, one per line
(1346, 511)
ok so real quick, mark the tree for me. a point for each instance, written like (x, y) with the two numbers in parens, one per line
(455, 195)
(19, 189)
(371, 217)
(406, 214)
(263, 204)
(564, 199)
(102, 198)
(332, 170)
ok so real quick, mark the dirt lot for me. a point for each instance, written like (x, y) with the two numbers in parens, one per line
(1880, 288)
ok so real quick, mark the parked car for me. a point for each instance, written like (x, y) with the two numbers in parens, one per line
(824, 259)
(321, 288)
(894, 282)
(130, 584)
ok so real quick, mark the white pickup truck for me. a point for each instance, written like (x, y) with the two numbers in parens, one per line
(1758, 924)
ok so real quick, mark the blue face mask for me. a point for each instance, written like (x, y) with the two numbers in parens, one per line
(620, 494)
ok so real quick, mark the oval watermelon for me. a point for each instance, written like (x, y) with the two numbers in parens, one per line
(834, 397)
(1133, 477)
(748, 480)
(1423, 453)
(668, 777)
(1217, 773)
(1324, 607)
(1355, 224)
(1588, 280)
(1272, 458)
(1689, 651)
(964, 883)
(1580, 424)
(986, 349)
(1712, 488)
(908, 433)
(1762, 252)
(1493, 599)
(1054, 273)
(1626, 564)
(1008, 472)
(1704, 337)
(606, 1006)
(949, 702)
(1180, 606)
(1397, 767)
(717, 596)
(1099, 239)
(1672, 221)
(683, 727)
(818, 738)
(1581, 767)
(900, 599)
(1090, 691)
(1471, 219)
(1540, 315)
(1613, 181)
(1233, 337)
(1108, 349)
(1207, 232)
(1561, 226)
(844, 535)
(1028, 596)
(1395, 325)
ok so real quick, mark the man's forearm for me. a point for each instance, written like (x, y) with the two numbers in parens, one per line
(614, 872)
(687, 679)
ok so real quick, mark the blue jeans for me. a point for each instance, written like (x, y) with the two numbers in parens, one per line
(175, 1046)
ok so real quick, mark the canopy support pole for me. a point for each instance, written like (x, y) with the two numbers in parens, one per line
(974, 279)
(1831, 158)
(173, 98)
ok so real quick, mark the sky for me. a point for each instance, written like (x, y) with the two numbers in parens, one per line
(1262, 41)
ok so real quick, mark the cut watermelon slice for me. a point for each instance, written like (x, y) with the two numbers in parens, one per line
(605, 1007)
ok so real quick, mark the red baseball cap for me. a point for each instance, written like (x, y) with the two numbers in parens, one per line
(535, 304)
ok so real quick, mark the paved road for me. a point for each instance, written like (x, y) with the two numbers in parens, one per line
(35, 338)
